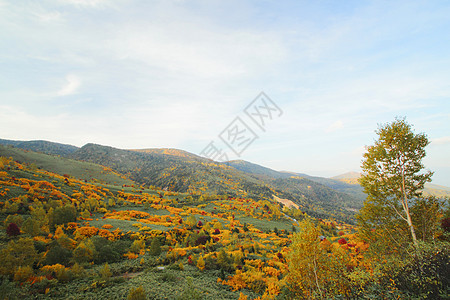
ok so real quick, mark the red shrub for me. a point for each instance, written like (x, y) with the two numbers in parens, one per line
(12, 229)
(342, 241)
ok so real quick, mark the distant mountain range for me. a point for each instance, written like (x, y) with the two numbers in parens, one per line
(181, 171)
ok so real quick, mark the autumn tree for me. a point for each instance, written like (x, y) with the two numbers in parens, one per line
(392, 178)
(316, 272)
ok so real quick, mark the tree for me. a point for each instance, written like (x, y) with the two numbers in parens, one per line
(155, 247)
(392, 175)
(62, 215)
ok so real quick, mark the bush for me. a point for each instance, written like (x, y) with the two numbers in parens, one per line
(202, 240)
(427, 275)
(105, 252)
(12, 230)
(23, 273)
(155, 247)
(62, 215)
(105, 272)
(137, 293)
(58, 255)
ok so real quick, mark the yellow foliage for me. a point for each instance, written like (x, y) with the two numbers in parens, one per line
(201, 263)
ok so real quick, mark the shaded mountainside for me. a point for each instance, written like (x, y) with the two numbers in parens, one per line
(42, 146)
(176, 173)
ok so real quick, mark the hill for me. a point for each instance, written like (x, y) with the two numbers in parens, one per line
(42, 146)
(64, 166)
(193, 174)
(181, 171)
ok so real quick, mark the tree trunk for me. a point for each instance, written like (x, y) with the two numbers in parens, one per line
(406, 209)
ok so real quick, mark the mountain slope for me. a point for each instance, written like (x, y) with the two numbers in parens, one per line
(42, 146)
(64, 166)
(190, 173)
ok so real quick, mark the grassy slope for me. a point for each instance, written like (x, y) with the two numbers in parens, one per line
(60, 165)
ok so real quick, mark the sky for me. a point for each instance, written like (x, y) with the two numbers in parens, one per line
(177, 74)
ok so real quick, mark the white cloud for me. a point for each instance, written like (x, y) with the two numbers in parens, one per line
(85, 3)
(440, 141)
(71, 86)
(335, 126)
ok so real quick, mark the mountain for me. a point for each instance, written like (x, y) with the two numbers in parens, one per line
(429, 190)
(42, 146)
(255, 169)
(349, 177)
(64, 166)
(191, 173)
(181, 171)
(168, 151)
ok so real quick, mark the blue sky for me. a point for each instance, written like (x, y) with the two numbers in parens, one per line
(144, 74)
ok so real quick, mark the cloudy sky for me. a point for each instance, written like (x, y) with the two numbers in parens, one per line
(144, 74)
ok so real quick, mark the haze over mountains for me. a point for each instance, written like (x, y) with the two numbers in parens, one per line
(182, 171)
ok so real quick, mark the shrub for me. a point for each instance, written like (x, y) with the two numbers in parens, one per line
(202, 240)
(23, 273)
(62, 215)
(105, 272)
(12, 230)
(64, 275)
(105, 252)
(58, 255)
(155, 247)
(427, 275)
(342, 241)
(137, 246)
(137, 293)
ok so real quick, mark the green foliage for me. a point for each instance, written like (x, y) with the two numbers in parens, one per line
(16, 219)
(16, 254)
(84, 252)
(105, 272)
(31, 226)
(190, 292)
(58, 255)
(62, 215)
(137, 246)
(392, 176)
(426, 214)
(427, 274)
(105, 250)
(155, 247)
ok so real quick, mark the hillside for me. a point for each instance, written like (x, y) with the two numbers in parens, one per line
(42, 146)
(98, 241)
(64, 166)
(193, 174)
